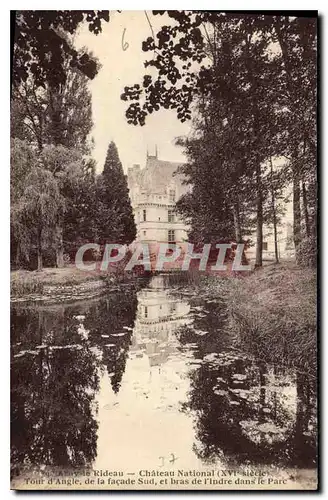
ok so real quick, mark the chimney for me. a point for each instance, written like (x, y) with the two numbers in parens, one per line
(155, 156)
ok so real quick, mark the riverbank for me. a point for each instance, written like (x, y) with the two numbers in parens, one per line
(53, 285)
(50, 282)
(272, 312)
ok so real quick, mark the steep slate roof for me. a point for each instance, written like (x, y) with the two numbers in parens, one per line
(157, 175)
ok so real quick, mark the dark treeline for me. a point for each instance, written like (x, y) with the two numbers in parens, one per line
(57, 200)
(250, 82)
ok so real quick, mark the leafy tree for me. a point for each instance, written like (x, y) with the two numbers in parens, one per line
(77, 189)
(47, 115)
(250, 67)
(41, 204)
(233, 113)
(115, 219)
(42, 43)
(80, 217)
(69, 120)
(23, 157)
(206, 207)
(73, 178)
(57, 121)
(225, 91)
(297, 40)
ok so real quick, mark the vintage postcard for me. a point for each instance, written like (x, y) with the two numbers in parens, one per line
(164, 250)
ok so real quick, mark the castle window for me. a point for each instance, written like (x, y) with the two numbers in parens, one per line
(146, 312)
(144, 213)
(144, 233)
(171, 235)
(264, 245)
(170, 215)
(172, 195)
(173, 307)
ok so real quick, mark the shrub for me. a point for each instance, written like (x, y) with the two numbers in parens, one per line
(20, 287)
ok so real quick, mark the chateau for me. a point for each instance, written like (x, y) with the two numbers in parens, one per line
(154, 192)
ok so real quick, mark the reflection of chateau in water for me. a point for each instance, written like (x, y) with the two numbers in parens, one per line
(148, 374)
(159, 316)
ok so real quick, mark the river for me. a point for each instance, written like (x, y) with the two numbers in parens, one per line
(151, 380)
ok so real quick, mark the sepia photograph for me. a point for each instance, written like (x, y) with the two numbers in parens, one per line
(163, 250)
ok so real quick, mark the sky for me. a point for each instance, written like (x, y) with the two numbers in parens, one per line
(120, 68)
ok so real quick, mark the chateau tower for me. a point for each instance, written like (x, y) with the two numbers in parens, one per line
(154, 192)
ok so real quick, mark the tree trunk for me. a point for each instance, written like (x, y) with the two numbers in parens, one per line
(306, 210)
(18, 256)
(274, 215)
(296, 211)
(236, 221)
(259, 218)
(59, 246)
(39, 250)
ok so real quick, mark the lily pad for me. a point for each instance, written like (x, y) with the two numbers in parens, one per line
(220, 392)
(200, 332)
(239, 376)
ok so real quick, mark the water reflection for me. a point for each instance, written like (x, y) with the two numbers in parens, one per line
(252, 414)
(142, 424)
(247, 411)
(139, 378)
(159, 316)
(59, 356)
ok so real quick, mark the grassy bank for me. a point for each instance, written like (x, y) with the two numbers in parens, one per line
(24, 282)
(273, 312)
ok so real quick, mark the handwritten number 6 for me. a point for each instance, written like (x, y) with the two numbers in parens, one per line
(125, 45)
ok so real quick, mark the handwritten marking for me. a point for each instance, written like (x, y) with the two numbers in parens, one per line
(125, 45)
(171, 461)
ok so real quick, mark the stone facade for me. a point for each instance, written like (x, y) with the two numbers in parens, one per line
(154, 192)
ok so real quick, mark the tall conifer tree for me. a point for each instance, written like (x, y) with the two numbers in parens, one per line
(116, 221)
